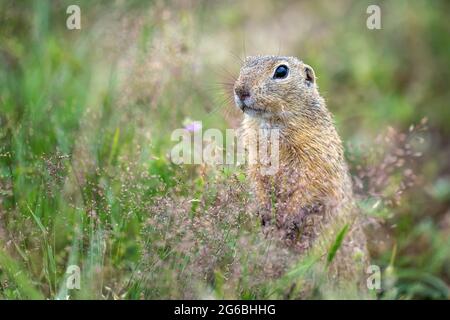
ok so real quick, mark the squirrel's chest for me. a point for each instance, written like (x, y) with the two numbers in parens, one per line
(286, 183)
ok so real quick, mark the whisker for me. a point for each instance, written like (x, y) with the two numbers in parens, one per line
(243, 45)
(237, 57)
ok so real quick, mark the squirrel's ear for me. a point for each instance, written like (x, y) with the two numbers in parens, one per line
(309, 72)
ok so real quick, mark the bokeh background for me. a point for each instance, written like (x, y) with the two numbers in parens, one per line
(85, 123)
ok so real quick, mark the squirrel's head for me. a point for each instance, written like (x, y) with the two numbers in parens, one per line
(275, 87)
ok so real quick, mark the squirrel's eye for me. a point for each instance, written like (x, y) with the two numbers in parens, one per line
(281, 72)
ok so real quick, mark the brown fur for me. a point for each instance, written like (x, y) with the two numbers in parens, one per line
(310, 196)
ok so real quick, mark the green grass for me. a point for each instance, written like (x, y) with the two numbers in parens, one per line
(85, 123)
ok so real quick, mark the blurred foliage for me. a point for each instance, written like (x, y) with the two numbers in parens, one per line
(86, 117)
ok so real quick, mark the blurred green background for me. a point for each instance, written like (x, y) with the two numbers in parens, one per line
(85, 123)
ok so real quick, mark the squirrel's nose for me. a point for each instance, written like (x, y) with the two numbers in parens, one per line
(242, 93)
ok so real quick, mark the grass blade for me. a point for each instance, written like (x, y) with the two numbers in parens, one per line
(337, 244)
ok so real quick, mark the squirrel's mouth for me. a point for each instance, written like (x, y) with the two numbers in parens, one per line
(247, 105)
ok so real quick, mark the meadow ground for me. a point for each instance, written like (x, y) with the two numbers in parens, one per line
(85, 123)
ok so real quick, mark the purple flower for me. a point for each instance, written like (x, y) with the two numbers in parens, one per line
(192, 126)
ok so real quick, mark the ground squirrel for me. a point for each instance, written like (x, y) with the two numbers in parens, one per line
(311, 193)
